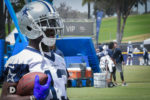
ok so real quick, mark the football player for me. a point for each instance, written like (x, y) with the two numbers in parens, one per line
(129, 53)
(106, 64)
(145, 55)
(40, 22)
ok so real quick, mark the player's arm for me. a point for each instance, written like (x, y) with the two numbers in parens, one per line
(111, 56)
(122, 59)
(114, 57)
(113, 60)
(8, 92)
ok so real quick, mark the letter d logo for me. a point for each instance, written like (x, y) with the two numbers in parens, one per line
(12, 90)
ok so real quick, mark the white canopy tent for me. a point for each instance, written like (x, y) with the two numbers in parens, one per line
(147, 41)
(10, 38)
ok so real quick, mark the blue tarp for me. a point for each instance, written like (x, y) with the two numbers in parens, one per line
(2, 48)
(79, 46)
(19, 46)
(76, 59)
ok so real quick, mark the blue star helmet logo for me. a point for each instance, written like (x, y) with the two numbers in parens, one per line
(25, 11)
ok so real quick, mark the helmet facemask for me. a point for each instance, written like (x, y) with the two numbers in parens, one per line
(39, 18)
(50, 28)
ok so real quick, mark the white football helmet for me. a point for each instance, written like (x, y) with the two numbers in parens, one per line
(129, 42)
(38, 16)
(142, 46)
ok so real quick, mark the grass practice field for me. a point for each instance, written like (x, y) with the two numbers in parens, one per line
(137, 28)
(137, 78)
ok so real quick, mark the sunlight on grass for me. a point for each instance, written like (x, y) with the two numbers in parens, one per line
(135, 25)
(137, 78)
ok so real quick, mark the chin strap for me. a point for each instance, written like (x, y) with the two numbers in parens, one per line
(41, 50)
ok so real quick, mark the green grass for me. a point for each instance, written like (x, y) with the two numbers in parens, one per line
(131, 92)
(6, 28)
(137, 78)
(135, 25)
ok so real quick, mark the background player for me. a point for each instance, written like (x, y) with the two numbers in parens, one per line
(145, 55)
(129, 54)
(40, 22)
(106, 64)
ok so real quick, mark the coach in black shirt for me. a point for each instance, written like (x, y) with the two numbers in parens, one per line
(118, 60)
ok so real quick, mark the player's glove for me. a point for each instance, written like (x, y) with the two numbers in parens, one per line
(40, 92)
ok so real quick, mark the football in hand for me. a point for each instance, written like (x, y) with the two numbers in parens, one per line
(26, 83)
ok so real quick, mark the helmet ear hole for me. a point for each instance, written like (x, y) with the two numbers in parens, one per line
(35, 22)
(29, 28)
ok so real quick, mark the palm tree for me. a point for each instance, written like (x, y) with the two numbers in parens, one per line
(145, 3)
(121, 7)
(89, 6)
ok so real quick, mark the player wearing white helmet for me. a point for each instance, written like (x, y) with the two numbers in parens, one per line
(145, 55)
(129, 53)
(106, 64)
(106, 60)
(40, 22)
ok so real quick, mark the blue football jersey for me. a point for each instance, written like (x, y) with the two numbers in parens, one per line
(31, 60)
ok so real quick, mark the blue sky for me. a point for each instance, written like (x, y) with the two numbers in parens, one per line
(77, 5)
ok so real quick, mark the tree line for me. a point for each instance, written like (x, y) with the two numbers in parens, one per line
(122, 8)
